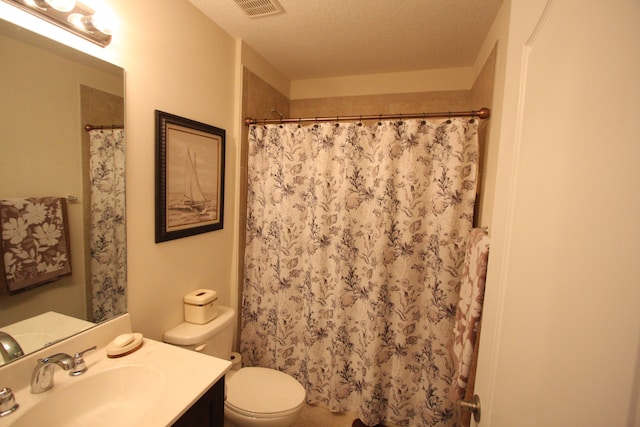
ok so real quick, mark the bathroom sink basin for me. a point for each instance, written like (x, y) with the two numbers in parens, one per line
(153, 385)
(120, 396)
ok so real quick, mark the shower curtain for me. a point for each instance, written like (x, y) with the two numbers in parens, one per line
(108, 234)
(355, 243)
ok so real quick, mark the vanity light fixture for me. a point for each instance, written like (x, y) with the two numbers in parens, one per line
(71, 15)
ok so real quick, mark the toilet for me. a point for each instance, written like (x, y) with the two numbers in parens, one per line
(255, 397)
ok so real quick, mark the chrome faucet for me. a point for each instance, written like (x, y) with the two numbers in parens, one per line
(9, 347)
(42, 377)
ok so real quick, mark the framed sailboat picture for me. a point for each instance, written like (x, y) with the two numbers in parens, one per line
(189, 177)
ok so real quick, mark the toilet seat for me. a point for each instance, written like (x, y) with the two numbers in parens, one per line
(258, 415)
(263, 393)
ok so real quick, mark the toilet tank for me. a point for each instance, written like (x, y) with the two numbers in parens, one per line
(214, 338)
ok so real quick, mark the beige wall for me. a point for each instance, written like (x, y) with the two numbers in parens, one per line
(177, 61)
(415, 102)
(264, 71)
(450, 79)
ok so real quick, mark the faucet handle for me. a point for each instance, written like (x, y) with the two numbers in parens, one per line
(7, 402)
(79, 366)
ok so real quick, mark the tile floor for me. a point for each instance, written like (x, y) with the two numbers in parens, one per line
(316, 416)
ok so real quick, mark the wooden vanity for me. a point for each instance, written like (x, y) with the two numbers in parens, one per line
(208, 411)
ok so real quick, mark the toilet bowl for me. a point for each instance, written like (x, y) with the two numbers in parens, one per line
(262, 397)
(255, 397)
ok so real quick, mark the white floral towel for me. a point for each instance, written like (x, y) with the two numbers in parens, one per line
(35, 243)
(469, 310)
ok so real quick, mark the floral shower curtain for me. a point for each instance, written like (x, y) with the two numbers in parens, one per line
(108, 234)
(355, 247)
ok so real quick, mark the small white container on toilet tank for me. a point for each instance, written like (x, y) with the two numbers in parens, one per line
(200, 306)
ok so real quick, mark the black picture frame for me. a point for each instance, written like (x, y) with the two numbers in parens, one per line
(190, 164)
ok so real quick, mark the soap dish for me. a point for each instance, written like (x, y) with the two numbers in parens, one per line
(124, 344)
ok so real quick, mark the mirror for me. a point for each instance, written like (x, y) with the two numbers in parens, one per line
(49, 93)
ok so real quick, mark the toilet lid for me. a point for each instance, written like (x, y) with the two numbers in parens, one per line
(263, 391)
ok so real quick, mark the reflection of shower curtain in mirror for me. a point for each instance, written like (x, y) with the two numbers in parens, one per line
(355, 244)
(108, 234)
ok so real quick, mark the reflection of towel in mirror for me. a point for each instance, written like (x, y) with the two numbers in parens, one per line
(469, 310)
(35, 241)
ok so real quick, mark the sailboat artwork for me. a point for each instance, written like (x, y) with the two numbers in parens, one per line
(194, 199)
(190, 179)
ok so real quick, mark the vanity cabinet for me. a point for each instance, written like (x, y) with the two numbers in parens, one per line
(208, 411)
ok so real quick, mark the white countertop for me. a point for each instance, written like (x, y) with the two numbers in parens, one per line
(186, 376)
(44, 329)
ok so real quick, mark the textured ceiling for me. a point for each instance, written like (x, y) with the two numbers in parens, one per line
(330, 38)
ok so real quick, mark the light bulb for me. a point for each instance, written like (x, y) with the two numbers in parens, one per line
(98, 21)
(62, 5)
(75, 19)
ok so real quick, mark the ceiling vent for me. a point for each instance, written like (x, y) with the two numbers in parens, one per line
(258, 8)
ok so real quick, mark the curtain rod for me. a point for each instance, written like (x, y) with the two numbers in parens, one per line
(98, 127)
(483, 113)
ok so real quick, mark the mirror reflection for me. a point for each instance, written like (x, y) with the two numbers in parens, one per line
(63, 264)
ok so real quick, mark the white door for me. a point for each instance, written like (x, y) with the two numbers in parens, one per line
(561, 329)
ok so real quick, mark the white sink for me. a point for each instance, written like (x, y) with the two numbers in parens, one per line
(152, 386)
(120, 396)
